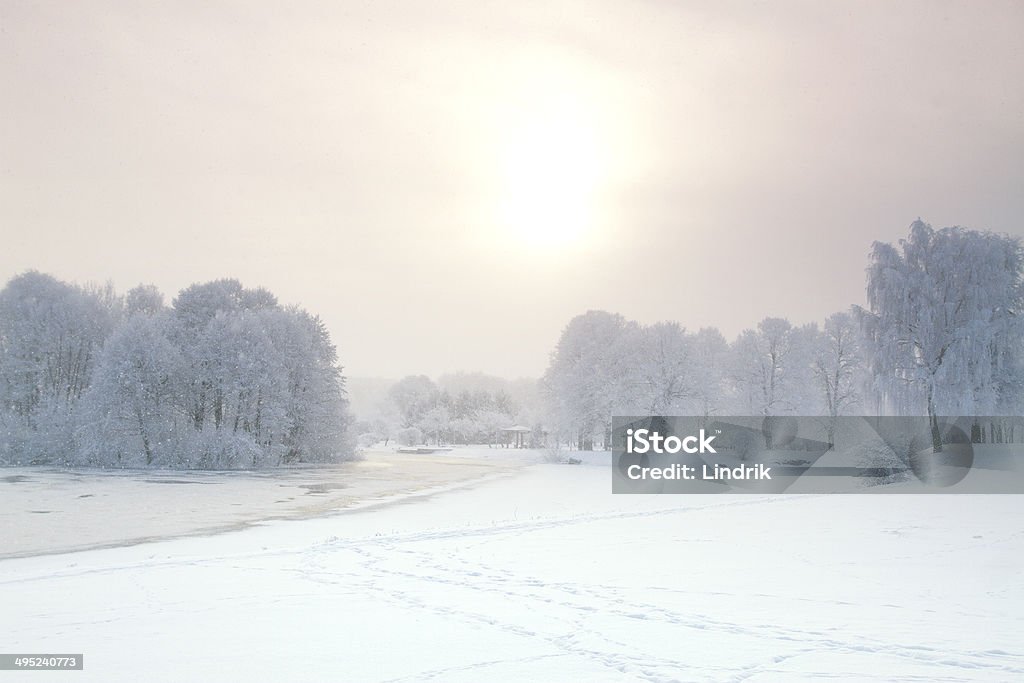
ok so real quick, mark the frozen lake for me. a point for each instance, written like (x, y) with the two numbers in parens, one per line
(51, 510)
(542, 574)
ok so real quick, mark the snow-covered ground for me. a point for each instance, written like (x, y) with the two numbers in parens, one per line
(544, 575)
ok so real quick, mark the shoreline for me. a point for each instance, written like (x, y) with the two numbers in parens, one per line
(49, 511)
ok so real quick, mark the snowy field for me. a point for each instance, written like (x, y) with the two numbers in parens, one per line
(542, 574)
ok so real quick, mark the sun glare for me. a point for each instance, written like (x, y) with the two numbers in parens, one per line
(552, 167)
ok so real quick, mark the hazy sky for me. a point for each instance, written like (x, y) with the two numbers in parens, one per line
(447, 184)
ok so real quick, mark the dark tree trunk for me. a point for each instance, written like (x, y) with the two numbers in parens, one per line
(933, 422)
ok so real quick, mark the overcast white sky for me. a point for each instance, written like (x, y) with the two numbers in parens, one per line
(448, 183)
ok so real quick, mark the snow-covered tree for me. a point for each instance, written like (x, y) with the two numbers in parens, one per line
(762, 368)
(661, 368)
(317, 416)
(588, 376)
(837, 365)
(50, 336)
(711, 392)
(941, 310)
(490, 423)
(132, 413)
(143, 299)
(436, 422)
(413, 396)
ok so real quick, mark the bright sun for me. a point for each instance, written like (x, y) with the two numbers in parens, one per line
(552, 166)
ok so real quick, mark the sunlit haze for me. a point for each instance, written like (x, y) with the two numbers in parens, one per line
(446, 185)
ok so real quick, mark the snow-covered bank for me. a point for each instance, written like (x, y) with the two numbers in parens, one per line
(50, 510)
(547, 576)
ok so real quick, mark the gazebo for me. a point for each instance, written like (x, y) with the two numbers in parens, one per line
(518, 440)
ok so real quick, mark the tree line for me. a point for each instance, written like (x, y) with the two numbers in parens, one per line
(224, 377)
(941, 335)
